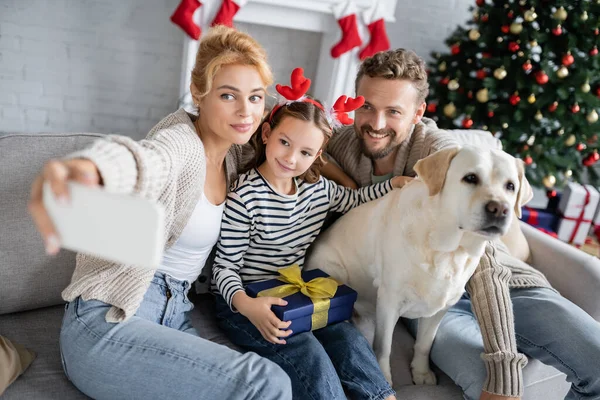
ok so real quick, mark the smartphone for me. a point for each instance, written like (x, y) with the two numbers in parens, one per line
(122, 228)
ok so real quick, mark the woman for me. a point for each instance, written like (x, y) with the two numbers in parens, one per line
(126, 331)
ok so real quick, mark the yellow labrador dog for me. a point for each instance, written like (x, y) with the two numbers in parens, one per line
(411, 253)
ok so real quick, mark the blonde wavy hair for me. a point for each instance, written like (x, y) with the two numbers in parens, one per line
(221, 46)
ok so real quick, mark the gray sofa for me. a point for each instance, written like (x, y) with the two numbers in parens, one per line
(30, 284)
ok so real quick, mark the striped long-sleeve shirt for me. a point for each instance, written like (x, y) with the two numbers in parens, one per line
(263, 231)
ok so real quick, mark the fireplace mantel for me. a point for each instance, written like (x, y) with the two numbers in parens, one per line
(334, 76)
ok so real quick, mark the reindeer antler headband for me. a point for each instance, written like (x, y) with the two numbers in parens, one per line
(338, 115)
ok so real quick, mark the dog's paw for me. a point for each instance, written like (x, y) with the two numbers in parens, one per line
(423, 377)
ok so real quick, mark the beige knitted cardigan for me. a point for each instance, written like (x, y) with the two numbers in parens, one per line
(169, 166)
(496, 273)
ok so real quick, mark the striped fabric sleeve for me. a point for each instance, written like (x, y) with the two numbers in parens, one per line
(343, 199)
(233, 244)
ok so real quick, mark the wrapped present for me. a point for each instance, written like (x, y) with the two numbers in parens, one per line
(538, 218)
(577, 207)
(314, 299)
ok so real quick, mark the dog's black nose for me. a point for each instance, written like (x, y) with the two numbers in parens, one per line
(497, 209)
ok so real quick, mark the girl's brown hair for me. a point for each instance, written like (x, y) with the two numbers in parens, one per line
(221, 46)
(304, 111)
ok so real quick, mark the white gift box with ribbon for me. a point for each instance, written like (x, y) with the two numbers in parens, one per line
(577, 206)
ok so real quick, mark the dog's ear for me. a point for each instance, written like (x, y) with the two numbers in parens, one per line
(432, 169)
(525, 193)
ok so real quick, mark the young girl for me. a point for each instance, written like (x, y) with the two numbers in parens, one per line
(272, 215)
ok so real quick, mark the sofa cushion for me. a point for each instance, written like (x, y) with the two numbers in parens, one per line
(30, 279)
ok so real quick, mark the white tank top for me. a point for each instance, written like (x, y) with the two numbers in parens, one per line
(185, 259)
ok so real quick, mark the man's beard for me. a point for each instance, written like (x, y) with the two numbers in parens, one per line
(380, 153)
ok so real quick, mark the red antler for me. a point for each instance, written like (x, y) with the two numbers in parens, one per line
(345, 104)
(300, 86)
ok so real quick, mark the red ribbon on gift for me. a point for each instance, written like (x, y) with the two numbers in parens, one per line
(579, 220)
(533, 216)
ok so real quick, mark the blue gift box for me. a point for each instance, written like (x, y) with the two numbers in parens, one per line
(540, 218)
(300, 308)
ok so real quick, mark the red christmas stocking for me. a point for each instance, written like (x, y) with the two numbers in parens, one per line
(379, 38)
(183, 16)
(227, 11)
(345, 13)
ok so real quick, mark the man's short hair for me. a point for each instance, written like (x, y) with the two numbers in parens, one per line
(397, 64)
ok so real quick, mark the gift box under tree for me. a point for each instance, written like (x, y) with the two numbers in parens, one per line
(577, 208)
(314, 299)
(544, 220)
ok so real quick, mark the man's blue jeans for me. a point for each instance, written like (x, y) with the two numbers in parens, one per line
(157, 354)
(320, 363)
(548, 327)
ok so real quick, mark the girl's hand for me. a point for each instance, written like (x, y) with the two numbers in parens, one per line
(58, 173)
(258, 311)
(399, 181)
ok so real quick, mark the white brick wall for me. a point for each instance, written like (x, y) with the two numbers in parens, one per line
(108, 66)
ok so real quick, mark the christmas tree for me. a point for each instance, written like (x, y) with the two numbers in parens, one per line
(529, 72)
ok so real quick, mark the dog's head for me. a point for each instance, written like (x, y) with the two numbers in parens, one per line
(483, 187)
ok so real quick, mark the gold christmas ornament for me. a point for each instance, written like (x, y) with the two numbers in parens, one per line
(531, 140)
(442, 66)
(485, 127)
(522, 2)
(584, 16)
(449, 110)
(585, 88)
(562, 72)
(538, 115)
(505, 125)
(568, 173)
(516, 28)
(474, 34)
(469, 61)
(521, 54)
(570, 140)
(531, 99)
(453, 85)
(561, 14)
(533, 43)
(500, 73)
(549, 181)
(530, 15)
(476, 15)
(499, 39)
(482, 95)
(560, 132)
(592, 117)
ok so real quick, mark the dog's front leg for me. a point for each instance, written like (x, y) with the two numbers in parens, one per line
(386, 316)
(421, 373)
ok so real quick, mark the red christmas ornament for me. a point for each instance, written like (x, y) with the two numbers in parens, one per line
(598, 91)
(594, 51)
(557, 31)
(486, 55)
(480, 74)
(541, 77)
(505, 28)
(593, 139)
(467, 122)
(480, 3)
(580, 147)
(591, 159)
(514, 99)
(514, 47)
(455, 49)
(470, 94)
(511, 14)
(552, 107)
(575, 108)
(431, 108)
(445, 81)
(490, 114)
(527, 66)
(596, 31)
(568, 59)
(485, 18)
(528, 160)
(551, 194)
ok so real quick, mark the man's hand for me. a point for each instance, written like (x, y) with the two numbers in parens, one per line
(258, 311)
(400, 181)
(491, 396)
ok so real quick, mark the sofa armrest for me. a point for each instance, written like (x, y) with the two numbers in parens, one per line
(574, 273)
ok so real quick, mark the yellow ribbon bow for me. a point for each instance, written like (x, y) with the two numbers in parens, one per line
(319, 290)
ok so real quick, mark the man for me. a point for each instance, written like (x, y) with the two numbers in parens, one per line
(389, 136)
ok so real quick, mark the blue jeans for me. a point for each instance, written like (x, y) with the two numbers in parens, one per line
(320, 363)
(158, 354)
(548, 327)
